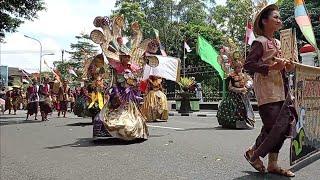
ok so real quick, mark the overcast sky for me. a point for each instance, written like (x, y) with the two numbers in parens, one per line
(55, 28)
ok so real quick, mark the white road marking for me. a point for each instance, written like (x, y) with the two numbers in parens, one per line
(164, 127)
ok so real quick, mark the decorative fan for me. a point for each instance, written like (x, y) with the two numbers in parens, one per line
(111, 42)
(118, 24)
(97, 37)
(153, 61)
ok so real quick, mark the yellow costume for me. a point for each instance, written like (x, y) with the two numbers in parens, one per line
(155, 105)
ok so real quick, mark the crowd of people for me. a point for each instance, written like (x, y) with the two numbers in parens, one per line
(45, 98)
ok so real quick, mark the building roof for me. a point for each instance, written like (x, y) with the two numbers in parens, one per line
(12, 71)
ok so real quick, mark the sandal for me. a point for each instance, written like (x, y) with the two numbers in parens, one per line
(257, 164)
(281, 171)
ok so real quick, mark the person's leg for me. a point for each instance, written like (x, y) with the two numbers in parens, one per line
(267, 120)
(15, 108)
(72, 106)
(42, 116)
(36, 106)
(274, 168)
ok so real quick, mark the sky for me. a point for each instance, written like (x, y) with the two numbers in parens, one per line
(55, 28)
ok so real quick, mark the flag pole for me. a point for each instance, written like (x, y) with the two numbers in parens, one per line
(245, 40)
(184, 60)
(224, 88)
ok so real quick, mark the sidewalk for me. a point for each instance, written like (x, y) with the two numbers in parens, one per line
(201, 113)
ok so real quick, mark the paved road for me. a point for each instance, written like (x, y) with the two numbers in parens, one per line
(183, 148)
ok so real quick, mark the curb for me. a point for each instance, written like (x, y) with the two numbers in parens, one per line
(192, 114)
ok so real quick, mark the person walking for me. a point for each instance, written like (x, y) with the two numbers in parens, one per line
(270, 86)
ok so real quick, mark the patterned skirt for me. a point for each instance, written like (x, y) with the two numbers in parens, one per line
(235, 111)
(45, 107)
(32, 107)
(63, 105)
(123, 123)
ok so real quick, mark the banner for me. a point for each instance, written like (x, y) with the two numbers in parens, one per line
(167, 67)
(307, 89)
(286, 39)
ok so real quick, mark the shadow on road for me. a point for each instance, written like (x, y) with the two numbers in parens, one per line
(306, 162)
(198, 129)
(88, 142)
(211, 128)
(4, 123)
(157, 121)
(257, 175)
(82, 124)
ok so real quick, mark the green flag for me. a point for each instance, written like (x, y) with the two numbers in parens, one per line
(209, 55)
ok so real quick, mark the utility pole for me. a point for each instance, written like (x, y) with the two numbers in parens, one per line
(62, 52)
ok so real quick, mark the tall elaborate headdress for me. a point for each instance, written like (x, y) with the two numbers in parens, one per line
(230, 55)
(112, 30)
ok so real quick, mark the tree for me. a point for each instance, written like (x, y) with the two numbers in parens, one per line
(14, 13)
(132, 12)
(232, 17)
(190, 11)
(82, 46)
(63, 67)
(81, 50)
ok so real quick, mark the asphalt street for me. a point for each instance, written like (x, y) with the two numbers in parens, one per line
(182, 148)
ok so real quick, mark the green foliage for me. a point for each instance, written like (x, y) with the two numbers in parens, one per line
(64, 66)
(232, 18)
(13, 13)
(132, 12)
(185, 83)
(82, 47)
(192, 11)
(81, 50)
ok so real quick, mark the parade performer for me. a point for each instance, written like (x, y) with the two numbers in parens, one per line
(45, 100)
(96, 75)
(123, 118)
(235, 111)
(63, 98)
(72, 101)
(16, 99)
(271, 91)
(120, 116)
(9, 102)
(54, 94)
(155, 104)
(33, 100)
(81, 103)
